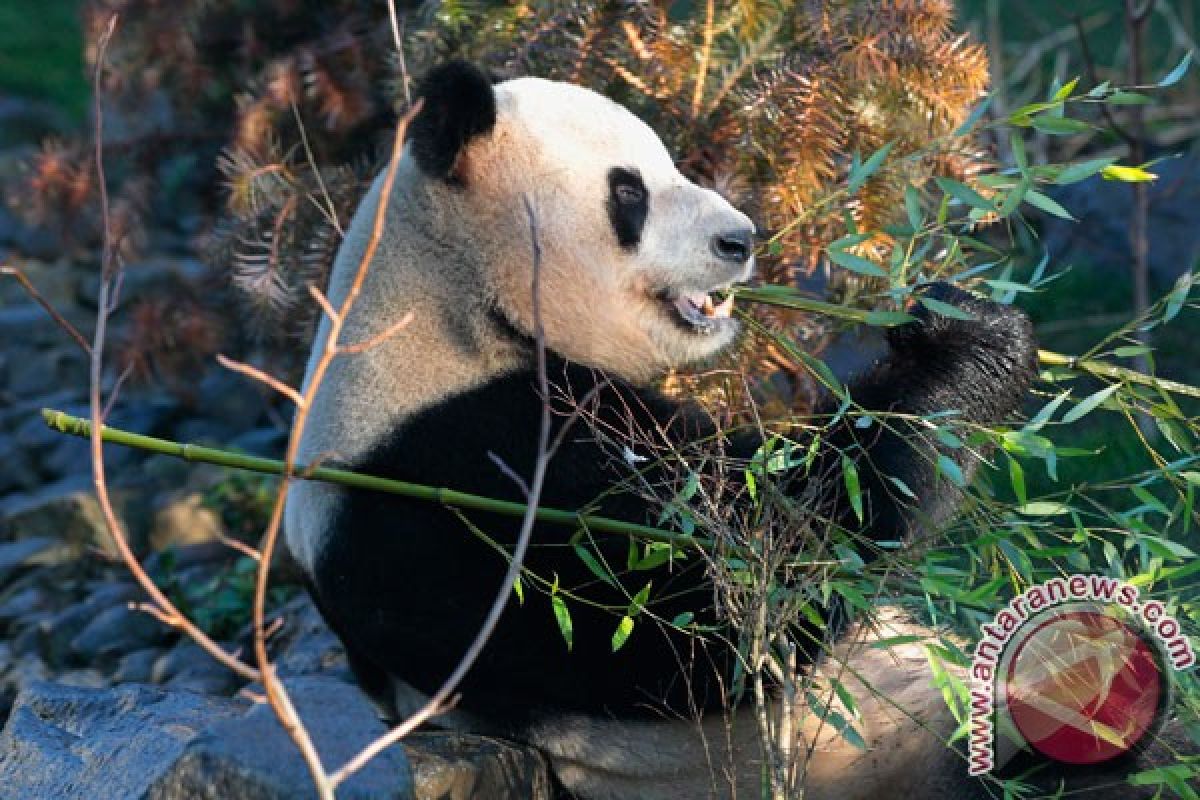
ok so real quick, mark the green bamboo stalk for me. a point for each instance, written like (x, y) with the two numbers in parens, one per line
(787, 298)
(76, 426)
(1103, 370)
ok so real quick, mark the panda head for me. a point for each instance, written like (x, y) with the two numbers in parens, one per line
(632, 252)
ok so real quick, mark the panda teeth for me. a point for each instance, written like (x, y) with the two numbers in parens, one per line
(699, 309)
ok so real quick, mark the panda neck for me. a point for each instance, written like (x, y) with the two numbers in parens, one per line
(455, 340)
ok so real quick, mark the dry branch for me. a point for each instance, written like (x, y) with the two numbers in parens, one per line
(110, 277)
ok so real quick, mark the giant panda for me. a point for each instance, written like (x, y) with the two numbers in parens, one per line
(630, 255)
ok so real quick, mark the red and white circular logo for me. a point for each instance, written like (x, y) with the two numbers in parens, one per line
(1084, 687)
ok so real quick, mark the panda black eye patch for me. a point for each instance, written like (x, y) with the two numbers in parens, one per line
(628, 204)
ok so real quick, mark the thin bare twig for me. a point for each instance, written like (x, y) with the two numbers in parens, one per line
(398, 40)
(377, 339)
(32, 291)
(323, 301)
(443, 699)
(162, 607)
(705, 55)
(241, 547)
(330, 210)
(261, 376)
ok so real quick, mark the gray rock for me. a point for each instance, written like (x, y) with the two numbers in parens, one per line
(30, 325)
(44, 370)
(250, 757)
(117, 629)
(86, 678)
(19, 473)
(183, 519)
(70, 457)
(59, 632)
(21, 603)
(187, 665)
(64, 743)
(231, 399)
(136, 667)
(106, 593)
(265, 442)
(305, 645)
(15, 555)
(208, 682)
(449, 766)
(25, 671)
(28, 639)
(21, 411)
(67, 511)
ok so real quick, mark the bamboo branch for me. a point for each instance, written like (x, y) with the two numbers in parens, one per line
(791, 299)
(76, 426)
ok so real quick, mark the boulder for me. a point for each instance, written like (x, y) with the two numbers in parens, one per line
(68, 512)
(183, 519)
(68, 743)
(450, 766)
(250, 758)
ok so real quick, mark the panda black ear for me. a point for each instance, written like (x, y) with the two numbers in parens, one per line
(459, 104)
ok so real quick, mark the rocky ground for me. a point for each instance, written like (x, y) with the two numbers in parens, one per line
(100, 700)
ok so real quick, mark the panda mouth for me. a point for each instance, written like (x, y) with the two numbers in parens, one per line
(697, 312)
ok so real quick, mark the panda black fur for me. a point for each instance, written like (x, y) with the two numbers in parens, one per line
(625, 239)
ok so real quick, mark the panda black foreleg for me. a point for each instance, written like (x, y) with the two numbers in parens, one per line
(975, 371)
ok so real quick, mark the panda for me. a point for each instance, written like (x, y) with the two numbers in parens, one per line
(630, 256)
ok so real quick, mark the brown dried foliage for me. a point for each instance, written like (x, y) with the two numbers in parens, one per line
(303, 96)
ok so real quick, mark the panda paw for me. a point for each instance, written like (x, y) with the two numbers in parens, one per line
(995, 335)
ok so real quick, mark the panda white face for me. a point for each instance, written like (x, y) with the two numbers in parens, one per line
(647, 248)
(635, 258)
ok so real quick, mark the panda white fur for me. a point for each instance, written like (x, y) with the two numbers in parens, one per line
(629, 248)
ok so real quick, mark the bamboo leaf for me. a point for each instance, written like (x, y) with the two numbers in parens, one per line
(945, 309)
(1176, 75)
(1041, 201)
(975, 116)
(912, 207)
(948, 467)
(853, 488)
(1016, 477)
(965, 194)
(593, 565)
(859, 175)
(621, 634)
(856, 263)
(1060, 126)
(1064, 91)
(886, 319)
(1074, 173)
(1116, 172)
(1089, 404)
(1043, 508)
(563, 617)
(1123, 98)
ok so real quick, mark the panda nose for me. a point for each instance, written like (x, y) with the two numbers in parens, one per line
(735, 246)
